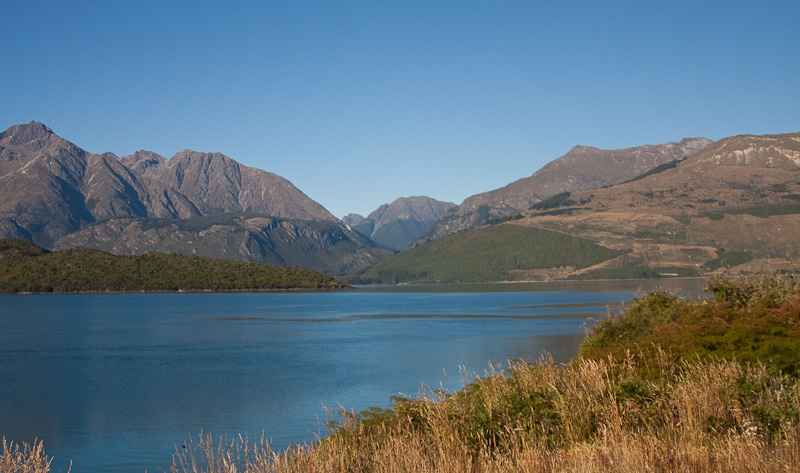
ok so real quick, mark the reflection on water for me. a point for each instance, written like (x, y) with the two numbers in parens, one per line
(114, 382)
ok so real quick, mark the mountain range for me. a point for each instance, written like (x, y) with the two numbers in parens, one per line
(57, 195)
(582, 168)
(399, 224)
(735, 204)
(683, 208)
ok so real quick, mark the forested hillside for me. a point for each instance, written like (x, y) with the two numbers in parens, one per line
(492, 253)
(25, 267)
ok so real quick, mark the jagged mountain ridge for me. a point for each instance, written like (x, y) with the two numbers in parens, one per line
(53, 193)
(399, 224)
(51, 187)
(211, 183)
(582, 168)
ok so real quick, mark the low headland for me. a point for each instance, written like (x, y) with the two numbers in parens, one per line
(28, 268)
(668, 383)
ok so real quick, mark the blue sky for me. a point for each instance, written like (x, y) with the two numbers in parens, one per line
(358, 103)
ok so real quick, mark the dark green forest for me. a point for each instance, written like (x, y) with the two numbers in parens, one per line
(492, 253)
(27, 268)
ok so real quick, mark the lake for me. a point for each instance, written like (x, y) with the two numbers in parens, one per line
(114, 382)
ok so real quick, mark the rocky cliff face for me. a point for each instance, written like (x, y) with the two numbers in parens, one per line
(767, 151)
(400, 223)
(582, 168)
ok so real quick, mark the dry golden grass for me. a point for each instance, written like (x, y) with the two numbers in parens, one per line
(31, 459)
(588, 416)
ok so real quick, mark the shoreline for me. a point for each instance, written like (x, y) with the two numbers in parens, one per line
(179, 291)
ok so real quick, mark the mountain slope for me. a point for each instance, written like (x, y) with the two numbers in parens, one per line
(582, 168)
(400, 223)
(327, 247)
(191, 184)
(50, 187)
(491, 253)
(734, 204)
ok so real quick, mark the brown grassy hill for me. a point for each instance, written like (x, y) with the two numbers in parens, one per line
(736, 203)
(582, 168)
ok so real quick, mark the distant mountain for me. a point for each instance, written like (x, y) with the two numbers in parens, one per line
(352, 219)
(400, 223)
(733, 205)
(50, 189)
(582, 168)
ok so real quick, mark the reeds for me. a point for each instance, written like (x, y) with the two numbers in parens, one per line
(31, 459)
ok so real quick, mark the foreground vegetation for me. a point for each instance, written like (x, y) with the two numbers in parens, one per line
(704, 397)
(592, 415)
(29, 459)
(751, 320)
(25, 267)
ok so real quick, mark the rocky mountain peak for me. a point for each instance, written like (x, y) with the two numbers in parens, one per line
(32, 136)
(143, 162)
(50, 187)
(398, 224)
(352, 219)
(692, 145)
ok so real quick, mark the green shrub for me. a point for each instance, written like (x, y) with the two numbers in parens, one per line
(755, 320)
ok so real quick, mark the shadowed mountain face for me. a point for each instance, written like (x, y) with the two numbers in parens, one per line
(400, 223)
(50, 189)
(582, 168)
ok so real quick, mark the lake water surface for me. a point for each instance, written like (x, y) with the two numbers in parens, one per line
(114, 382)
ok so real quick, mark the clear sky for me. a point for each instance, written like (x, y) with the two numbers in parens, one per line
(358, 103)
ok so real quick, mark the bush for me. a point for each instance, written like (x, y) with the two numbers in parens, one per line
(746, 319)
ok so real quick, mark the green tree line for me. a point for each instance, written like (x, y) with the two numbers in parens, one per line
(25, 267)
